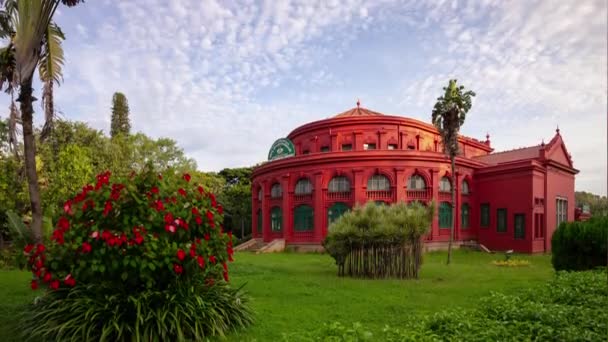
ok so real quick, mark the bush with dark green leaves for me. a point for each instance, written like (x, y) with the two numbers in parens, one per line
(572, 307)
(578, 246)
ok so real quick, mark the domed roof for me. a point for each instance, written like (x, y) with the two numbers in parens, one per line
(357, 111)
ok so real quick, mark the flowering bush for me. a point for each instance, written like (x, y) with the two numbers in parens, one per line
(150, 244)
(142, 232)
(511, 263)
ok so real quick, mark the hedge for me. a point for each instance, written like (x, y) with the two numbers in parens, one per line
(578, 246)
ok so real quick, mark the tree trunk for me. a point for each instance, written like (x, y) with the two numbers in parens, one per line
(453, 207)
(29, 146)
(49, 111)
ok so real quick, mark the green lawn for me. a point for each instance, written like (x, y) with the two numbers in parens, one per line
(300, 292)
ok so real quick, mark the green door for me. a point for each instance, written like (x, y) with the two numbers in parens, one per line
(303, 218)
(276, 219)
(445, 215)
(335, 211)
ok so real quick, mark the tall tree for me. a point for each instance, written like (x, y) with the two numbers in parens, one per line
(448, 116)
(120, 115)
(25, 24)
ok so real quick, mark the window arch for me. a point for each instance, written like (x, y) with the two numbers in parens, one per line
(303, 187)
(303, 218)
(465, 187)
(276, 191)
(416, 182)
(339, 184)
(260, 194)
(445, 185)
(465, 212)
(335, 211)
(378, 183)
(276, 219)
(445, 215)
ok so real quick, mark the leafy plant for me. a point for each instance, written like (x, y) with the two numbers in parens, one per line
(511, 263)
(580, 245)
(135, 252)
(379, 241)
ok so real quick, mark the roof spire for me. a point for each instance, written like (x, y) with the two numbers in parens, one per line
(542, 144)
(557, 130)
(358, 103)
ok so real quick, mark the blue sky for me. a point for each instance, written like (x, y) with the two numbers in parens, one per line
(225, 79)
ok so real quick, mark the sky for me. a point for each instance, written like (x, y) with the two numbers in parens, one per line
(227, 78)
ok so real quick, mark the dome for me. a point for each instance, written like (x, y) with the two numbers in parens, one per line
(358, 111)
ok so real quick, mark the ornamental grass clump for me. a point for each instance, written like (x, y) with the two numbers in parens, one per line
(131, 259)
(378, 241)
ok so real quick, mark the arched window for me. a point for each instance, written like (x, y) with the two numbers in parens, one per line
(465, 187)
(416, 182)
(276, 191)
(378, 183)
(303, 218)
(464, 216)
(445, 185)
(335, 211)
(259, 230)
(303, 187)
(260, 194)
(445, 215)
(339, 184)
(276, 219)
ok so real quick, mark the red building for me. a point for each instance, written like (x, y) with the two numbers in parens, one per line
(504, 200)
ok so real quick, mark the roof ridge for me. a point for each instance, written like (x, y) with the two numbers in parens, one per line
(511, 150)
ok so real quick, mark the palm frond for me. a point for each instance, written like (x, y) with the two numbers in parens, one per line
(52, 59)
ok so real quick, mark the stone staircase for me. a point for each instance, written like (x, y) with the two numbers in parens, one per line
(258, 246)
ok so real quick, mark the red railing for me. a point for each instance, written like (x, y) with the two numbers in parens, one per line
(380, 194)
(339, 196)
(445, 196)
(424, 194)
(303, 197)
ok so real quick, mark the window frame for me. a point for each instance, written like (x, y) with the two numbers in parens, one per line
(338, 183)
(418, 178)
(308, 220)
(303, 187)
(392, 147)
(445, 223)
(445, 180)
(522, 229)
(324, 149)
(375, 180)
(276, 219)
(349, 147)
(276, 193)
(484, 208)
(464, 215)
(367, 146)
(465, 185)
(502, 227)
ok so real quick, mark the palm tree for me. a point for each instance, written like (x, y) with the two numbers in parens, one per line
(50, 72)
(26, 24)
(448, 116)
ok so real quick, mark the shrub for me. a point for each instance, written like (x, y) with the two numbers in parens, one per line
(511, 263)
(580, 245)
(379, 241)
(140, 243)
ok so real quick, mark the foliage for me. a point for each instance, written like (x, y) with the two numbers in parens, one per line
(379, 241)
(598, 205)
(120, 115)
(448, 116)
(569, 308)
(580, 245)
(190, 311)
(236, 198)
(159, 236)
(511, 263)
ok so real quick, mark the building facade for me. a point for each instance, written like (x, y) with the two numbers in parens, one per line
(504, 200)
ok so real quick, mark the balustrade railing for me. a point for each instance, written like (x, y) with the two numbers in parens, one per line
(339, 196)
(303, 197)
(445, 196)
(380, 194)
(421, 194)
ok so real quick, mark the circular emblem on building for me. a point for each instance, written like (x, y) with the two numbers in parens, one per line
(282, 148)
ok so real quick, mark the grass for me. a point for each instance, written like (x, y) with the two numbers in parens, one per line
(300, 292)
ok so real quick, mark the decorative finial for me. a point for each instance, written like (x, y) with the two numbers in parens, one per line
(358, 103)
(557, 129)
(487, 136)
(542, 144)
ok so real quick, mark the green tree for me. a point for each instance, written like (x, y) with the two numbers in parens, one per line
(598, 205)
(236, 197)
(448, 116)
(25, 23)
(120, 115)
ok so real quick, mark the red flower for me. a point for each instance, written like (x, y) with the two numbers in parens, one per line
(207, 237)
(139, 239)
(225, 266)
(198, 220)
(201, 190)
(201, 261)
(95, 235)
(220, 209)
(187, 177)
(178, 269)
(39, 248)
(105, 235)
(230, 258)
(69, 280)
(158, 205)
(154, 190)
(63, 223)
(34, 284)
(182, 192)
(67, 207)
(47, 277)
(181, 255)
(86, 247)
(58, 236)
(28, 249)
(195, 211)
(168, 218)
(107, 208)
(209, 215)
(170, 228)
(212, 259)
(213, 201)
(39, 264)
(54, 285)
(225, 274)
